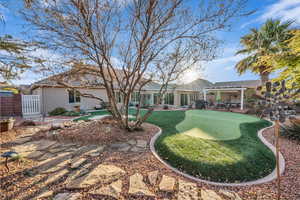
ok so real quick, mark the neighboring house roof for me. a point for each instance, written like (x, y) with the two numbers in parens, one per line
(196, 85)
(236, 84)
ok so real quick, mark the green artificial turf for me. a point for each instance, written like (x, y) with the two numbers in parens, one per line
(232, 154)
(238, 160)
(204, 124)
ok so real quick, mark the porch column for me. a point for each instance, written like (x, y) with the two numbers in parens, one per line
(152, 99)
(204, 94)
(242, 99)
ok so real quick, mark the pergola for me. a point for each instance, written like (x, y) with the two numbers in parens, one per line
(241, 89)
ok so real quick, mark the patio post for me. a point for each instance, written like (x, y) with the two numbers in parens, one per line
(204, 94)
(242, 98)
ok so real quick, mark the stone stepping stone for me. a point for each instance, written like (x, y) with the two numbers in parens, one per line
(58, 166)
(152, 177)
(43, 195)
(112, 190)
(102, 173)
(45, 156)
(95, 152)
(137, 186)
(78, 173)
(167, 184)
(35, 155)
(29, 147)
(53, 162)
(75, 163)
(67, 196)
(209, 195)
(56, 176)
(141, 143)
(22, 140)
(187, 191)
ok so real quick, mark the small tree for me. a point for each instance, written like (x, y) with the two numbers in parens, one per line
(129, 40)
(275, 98)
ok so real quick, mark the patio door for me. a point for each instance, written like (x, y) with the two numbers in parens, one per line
(183, 99)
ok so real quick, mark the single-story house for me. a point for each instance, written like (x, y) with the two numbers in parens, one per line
(53, 95)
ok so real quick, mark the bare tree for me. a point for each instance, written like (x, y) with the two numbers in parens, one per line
(144, 36)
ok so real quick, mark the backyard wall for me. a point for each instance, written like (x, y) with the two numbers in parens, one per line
(10, 105)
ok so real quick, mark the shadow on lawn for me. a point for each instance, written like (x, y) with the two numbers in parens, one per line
(249, 158)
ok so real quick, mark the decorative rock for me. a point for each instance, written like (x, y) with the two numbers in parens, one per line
(131, 142)
(124, 149)
(102, 173)
(118, 145)
(227, 193)
(67, 196)
(187, 191)
(136, 149)
(141, 143)
(152, 177)
(56, 176)
(209, 195)
(44, 194)
(167, 184)
(137, 186)
(75, 163)
(112, 190)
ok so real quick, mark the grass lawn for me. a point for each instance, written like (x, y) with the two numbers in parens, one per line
(216, 146)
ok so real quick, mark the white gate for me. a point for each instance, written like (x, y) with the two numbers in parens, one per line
(31, 105)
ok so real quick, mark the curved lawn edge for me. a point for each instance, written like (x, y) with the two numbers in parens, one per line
(265, 179)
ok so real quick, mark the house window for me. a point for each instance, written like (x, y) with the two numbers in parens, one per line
(135, 97)
(183, 99)
(156, 98)
(169, 99)
(194, 97)
(74, 96)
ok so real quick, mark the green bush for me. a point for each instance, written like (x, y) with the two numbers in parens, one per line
(57, 111)
(73, 113)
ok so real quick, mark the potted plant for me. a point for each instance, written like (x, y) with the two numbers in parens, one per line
(6, 124)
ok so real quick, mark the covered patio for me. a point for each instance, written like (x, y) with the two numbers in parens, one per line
(227, 96)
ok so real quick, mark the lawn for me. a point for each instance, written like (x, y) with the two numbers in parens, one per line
(216, 146)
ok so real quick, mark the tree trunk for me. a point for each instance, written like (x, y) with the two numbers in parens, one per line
(264, 77)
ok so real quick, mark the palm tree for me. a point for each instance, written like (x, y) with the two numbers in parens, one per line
(259, 43)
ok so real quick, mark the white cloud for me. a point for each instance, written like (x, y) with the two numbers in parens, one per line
(284, 9)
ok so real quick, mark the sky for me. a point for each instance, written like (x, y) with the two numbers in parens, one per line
(220, 69)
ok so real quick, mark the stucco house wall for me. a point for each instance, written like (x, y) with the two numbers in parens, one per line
(53, 97)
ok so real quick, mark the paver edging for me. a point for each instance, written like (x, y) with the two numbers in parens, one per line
(265, 179)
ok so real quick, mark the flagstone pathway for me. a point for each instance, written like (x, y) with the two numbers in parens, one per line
(71, 163)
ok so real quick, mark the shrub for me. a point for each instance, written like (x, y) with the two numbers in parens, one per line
(292, 131)
(166, 107)
(57, 111)
(74, 113)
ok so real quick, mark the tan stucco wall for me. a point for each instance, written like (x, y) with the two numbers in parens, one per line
(52, 98)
